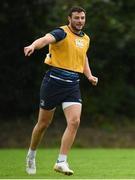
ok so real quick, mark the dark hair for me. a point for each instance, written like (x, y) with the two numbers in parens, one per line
(76, 9)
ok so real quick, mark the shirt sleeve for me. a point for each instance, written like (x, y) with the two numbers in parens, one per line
(59, 34)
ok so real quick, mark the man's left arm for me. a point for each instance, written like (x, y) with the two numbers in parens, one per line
(87, 72)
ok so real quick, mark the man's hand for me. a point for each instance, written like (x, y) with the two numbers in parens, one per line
(93, 80)
(28, 50)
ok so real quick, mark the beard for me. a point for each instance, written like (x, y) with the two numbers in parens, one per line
(77, 27)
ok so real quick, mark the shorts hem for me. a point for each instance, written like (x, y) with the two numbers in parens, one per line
(48, 109)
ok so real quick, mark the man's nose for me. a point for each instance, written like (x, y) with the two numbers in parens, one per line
(79, 20)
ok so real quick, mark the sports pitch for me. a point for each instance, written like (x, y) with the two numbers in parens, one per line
(86, 163)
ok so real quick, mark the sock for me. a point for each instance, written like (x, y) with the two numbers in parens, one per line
(62, 157)
(31, 154)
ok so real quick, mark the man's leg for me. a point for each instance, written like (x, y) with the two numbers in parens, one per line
(44, 119)
(72, 114)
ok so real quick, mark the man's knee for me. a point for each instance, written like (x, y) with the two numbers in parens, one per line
(43, 124)
(44, 119)
(74, 122)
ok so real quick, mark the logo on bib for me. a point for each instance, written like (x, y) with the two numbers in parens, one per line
(79, 43)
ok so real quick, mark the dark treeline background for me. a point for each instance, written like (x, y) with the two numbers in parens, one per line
(111, 26)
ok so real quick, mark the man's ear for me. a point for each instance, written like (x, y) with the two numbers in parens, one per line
(69, 19)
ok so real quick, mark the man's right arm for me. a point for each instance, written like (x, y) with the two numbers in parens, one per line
(39, 43)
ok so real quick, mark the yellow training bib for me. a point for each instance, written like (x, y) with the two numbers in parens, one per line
(69, 53)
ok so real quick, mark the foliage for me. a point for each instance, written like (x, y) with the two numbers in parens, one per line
(112, 30)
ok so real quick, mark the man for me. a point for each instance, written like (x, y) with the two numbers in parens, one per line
(67, 58)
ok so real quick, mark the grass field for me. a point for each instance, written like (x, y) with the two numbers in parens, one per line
(86, 163)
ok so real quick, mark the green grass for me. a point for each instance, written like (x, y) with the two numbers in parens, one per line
(86, 163)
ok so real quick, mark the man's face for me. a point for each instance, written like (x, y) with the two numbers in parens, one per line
(77, 20)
